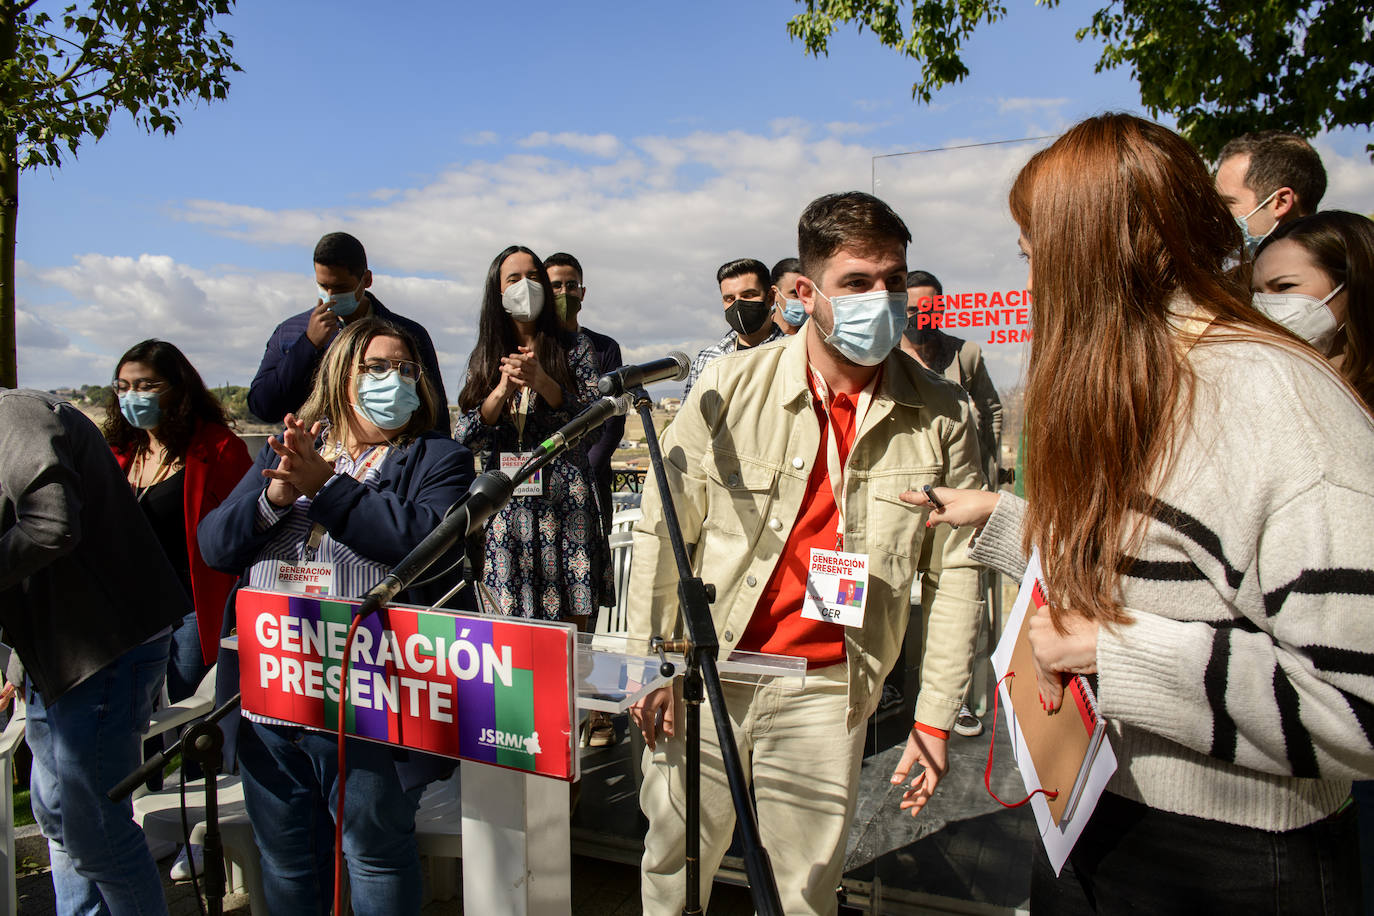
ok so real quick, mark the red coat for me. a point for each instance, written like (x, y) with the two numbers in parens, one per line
(215, 462)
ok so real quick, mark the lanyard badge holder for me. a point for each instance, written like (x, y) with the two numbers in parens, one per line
(837, 581)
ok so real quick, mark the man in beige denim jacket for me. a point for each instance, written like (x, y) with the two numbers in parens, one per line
(751, 462)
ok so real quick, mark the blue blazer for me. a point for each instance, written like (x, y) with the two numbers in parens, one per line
(416, 485)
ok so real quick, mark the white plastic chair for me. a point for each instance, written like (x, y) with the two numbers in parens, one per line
(624, 520)
(183, 712)
(612, 621)
(159, 814)
(9, 741)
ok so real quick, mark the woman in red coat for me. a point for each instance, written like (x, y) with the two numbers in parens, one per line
(172, 439)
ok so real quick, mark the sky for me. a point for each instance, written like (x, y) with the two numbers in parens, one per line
(653, 140)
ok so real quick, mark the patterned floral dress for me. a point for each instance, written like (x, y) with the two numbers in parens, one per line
(546, 556)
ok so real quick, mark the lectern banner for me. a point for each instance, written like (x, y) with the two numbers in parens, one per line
(494, 690)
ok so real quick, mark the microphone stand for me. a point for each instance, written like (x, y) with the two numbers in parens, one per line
(700, 650)
(203, 742)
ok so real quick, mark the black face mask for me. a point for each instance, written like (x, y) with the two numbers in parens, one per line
(920, 336)
(747, 316)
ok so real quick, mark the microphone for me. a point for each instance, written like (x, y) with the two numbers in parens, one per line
(672, 368)
(598, 413)
(487, 495)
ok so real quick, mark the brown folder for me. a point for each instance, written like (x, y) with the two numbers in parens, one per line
(1063, 743)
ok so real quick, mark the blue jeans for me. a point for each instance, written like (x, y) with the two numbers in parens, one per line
(186, 668)
(1133, 858)
(83, 743)
(290, 786)
(185, 664)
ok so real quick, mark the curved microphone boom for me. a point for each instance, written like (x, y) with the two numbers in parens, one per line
(672, 368)
(601, 410)
(488, 493)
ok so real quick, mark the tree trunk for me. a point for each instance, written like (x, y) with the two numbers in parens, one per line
(9, 211)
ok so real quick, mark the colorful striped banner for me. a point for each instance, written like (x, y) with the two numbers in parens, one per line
(495, 690)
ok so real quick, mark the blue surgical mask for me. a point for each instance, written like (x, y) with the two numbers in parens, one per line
(793, 312)
(387, 402)
(342, 304)
(867, 325)
(1252, 241)
(141, 408)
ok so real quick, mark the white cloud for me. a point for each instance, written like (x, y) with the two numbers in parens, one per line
(482, 138)
(1349, 180)
(602, 145)
(219, 319)
(1007, 105)
(39, 333)
(872, 104)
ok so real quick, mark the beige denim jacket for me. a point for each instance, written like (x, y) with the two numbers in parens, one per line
(738, 455)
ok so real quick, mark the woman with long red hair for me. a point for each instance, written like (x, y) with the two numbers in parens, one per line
(1200, 486)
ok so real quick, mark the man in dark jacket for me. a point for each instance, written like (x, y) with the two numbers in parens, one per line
(294, 351)
(88, 601)
(565, 276)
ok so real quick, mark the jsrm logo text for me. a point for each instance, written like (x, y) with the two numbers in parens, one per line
(509, 741)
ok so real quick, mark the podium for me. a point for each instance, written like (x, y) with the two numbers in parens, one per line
(499, 694)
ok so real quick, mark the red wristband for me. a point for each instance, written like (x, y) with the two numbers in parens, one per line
(932, 730)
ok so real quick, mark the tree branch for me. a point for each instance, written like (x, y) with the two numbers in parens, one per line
(99, 9)
(52, 35)
(76, 100)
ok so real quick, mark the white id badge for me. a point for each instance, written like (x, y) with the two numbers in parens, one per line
(511, 462)
(305, 578)
(836, 587)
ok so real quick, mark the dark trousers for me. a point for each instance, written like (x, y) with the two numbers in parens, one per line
(1135, 859)
(1363, 793)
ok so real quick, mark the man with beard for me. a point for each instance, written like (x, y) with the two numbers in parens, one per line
(746, 291)
(754, 461)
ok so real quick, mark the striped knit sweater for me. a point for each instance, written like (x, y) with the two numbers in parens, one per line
(1242, 690)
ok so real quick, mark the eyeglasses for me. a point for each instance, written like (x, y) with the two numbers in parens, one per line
(565, 286)
(141, 385)
(380, 368)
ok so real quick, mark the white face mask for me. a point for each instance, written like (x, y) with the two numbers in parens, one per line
(1306, 316)
(523, 300)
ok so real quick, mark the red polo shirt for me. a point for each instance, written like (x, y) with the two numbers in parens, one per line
(777, 626)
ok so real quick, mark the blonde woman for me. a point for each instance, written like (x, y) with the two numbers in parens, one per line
(355, 481)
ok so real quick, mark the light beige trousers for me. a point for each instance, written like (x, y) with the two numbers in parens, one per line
(804, 767)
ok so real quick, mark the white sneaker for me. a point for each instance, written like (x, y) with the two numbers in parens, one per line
(967, 723)
(181, 868)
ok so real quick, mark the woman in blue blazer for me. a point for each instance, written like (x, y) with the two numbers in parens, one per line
(357, 479)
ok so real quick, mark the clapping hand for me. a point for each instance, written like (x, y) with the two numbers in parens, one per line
(302, 470)
(523, 369)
